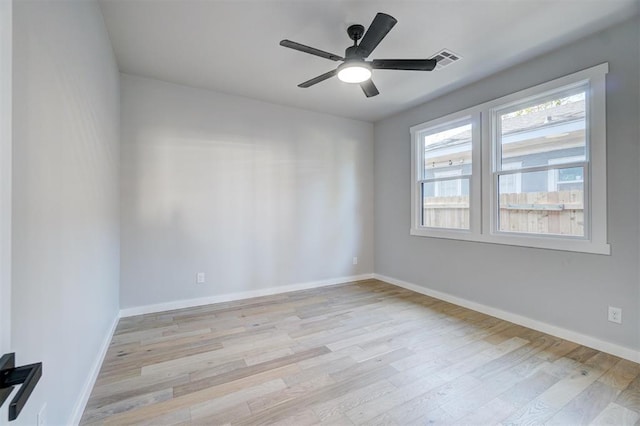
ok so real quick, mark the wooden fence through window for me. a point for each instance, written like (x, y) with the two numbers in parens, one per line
(559, 212)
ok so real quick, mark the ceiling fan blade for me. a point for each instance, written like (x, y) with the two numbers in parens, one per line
(369, 88)
(311, 50)
(318, 79)
(404, 64)
(378, 29)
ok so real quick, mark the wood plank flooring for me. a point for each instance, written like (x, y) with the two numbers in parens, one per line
(362, 353)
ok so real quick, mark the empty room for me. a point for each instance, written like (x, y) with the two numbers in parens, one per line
(305, 212)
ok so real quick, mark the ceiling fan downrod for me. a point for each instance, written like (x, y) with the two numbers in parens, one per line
(355, 33)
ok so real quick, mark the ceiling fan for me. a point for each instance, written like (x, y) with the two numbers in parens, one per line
(354, 68)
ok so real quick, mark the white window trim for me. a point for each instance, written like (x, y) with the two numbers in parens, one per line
(482, 219)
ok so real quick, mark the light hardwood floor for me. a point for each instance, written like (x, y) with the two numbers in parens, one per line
(363, 353)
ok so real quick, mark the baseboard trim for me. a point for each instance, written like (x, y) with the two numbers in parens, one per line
(563, 333)
(189, 303)
(93, 375)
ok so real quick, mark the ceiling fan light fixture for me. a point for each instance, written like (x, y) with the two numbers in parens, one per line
(354, 72)
(355, 68)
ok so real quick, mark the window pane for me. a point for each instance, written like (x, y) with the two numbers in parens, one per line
(510, 183)
(446, 204)
(448, 151)
(541, 133)
(544, 203)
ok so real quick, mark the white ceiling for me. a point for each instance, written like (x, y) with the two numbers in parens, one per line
(232, 46)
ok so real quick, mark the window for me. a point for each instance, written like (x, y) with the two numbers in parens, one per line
(527, 169)
(444, 169)
(548, 136)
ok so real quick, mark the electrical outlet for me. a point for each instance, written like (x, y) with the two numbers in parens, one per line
(615, 314)
(200, 278)
(355, 260)
(40, 420)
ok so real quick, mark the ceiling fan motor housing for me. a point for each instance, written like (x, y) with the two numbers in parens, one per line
(351, 53)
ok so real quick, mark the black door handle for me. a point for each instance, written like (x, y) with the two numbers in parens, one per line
(10, 376)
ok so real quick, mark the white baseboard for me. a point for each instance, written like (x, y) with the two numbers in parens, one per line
(83, 398)
(563, 333)
(189, 303)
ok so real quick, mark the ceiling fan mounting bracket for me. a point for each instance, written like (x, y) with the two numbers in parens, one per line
(355, 32)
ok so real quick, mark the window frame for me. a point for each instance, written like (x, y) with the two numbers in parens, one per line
(497, 146)
(483, 185)
(441, 124)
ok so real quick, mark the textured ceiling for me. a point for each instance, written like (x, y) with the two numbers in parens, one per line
(232, 46)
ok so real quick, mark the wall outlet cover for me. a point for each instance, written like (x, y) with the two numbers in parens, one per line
(615, 314)
(200, 278)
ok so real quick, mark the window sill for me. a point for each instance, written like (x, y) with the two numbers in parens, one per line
(549, 243)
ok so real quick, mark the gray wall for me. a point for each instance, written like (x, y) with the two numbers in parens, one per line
(253, 194)
(65, 197)
(569, 290)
